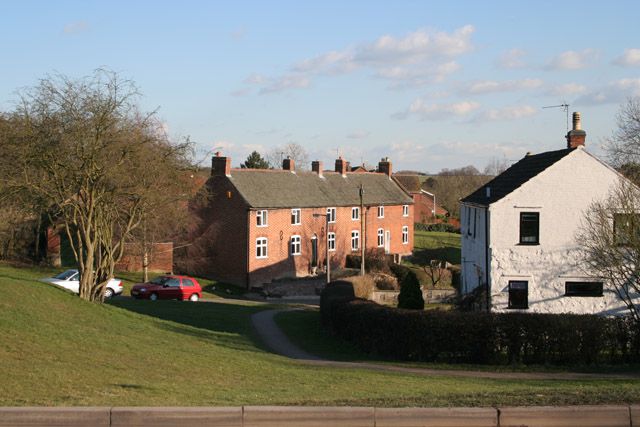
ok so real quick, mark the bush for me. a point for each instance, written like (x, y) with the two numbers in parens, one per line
(375, 260)
(484, 338)
(410, 292)
(363, 286)
(437, 227)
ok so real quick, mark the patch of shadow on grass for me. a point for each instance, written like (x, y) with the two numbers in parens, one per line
(130, 386)
(446, 253)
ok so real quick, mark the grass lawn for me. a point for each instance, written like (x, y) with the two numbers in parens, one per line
(58, 350)
(433, 245)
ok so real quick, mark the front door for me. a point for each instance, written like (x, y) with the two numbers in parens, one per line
(387, 242)
(314, 251)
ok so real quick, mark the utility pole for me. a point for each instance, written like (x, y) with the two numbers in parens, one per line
(326, 244)
(362, 230)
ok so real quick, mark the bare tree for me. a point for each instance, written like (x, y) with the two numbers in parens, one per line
(450, 185)
(294, 150)
(97, 163)
(610, 243)
(496, 166)
(624, 145)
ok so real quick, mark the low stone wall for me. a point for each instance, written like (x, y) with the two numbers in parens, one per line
(429, 296)
(285, 416)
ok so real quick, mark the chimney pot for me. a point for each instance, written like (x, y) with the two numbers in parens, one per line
(576, 137)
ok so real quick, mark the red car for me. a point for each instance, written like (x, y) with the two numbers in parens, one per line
(168, 287)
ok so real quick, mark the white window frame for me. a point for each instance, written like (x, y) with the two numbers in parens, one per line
(332, 215)
(296, 245)
(355, 238)
(405, 235)
(405, 210)
(262, 218)
(296, 216)
(380, 237)
(355, 213)
(262, 245)
(331, 241)
(380, 211)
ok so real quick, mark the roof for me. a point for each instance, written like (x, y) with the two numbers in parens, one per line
(411, 183)
(284, 189)
(514, 177)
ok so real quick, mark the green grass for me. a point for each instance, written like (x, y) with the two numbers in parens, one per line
(433, 245)
(58, 350)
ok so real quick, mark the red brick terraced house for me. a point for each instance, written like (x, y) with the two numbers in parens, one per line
(269, 224)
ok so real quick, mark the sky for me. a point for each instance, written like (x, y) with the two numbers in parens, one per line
(429, 84)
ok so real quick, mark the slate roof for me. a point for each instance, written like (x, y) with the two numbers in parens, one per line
(514, 177)
(283, 189)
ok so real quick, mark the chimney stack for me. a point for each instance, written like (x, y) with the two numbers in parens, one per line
(220, 165)
(576, 137)
(341, 166)
(316, 166)
(385, 166)
(288, 164)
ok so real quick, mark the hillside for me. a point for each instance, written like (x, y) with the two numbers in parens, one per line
(58, 350)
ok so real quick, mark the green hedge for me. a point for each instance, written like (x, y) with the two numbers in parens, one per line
(484, 338)
(441, 226)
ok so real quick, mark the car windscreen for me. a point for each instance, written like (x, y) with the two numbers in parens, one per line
(65, 275)
(160, 280)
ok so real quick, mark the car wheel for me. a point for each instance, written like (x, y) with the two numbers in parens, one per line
(194, 297)
(153, 297)
(108, 293)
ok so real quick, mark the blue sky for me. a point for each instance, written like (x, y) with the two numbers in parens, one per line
(432, 85)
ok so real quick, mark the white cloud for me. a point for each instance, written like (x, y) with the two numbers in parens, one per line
(282, 83)
(511, 59)
(566, 89)
(630, 58)
(76, 27)
(407, 152)
(358, 134)
(492, 86)
(573, 60)
(418, 58)
(507, 113)
(614, 92)
(435, 111)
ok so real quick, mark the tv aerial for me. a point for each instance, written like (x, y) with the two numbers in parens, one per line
(565, 108)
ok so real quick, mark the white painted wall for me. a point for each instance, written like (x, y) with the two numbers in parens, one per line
(561, 194)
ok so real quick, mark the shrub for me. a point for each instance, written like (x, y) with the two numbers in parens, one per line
(486, 338)
(410, 291)
(437, 227)
(375, 260)
(363, 286)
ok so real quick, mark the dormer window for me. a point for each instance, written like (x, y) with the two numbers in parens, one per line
(295, 216)
(355, 214)
(380, 211)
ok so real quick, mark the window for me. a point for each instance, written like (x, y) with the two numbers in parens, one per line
(332, 214)
(172, 283)
(626, 226)
(380, 237)
(355, 214)
(405, 235)
(529, 228)
(405, 210)
(187, 283)
(518, 294)
(261, 247)
(468, 209)
(295, 216)
(355, 240)
(331, 241)
(261, 218)
(380, 211)
(295, 245)
(583, 289)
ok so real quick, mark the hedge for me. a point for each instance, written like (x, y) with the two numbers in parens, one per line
(483, 338)
(440, 226)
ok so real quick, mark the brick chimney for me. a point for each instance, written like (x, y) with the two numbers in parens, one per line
(341, 166)
(576, 136)
(220, 165)
(316, 166)
(288, 164)
(385, 166)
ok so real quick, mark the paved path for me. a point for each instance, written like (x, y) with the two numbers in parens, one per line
(276, 340)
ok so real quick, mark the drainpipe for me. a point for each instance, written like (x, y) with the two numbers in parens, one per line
(486, 257)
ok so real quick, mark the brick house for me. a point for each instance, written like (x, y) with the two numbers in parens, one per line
(259, 225)
(425, 207)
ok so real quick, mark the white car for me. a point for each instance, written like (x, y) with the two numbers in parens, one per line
(70, 279)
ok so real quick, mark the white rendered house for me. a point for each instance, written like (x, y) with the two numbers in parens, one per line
(518, 233)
